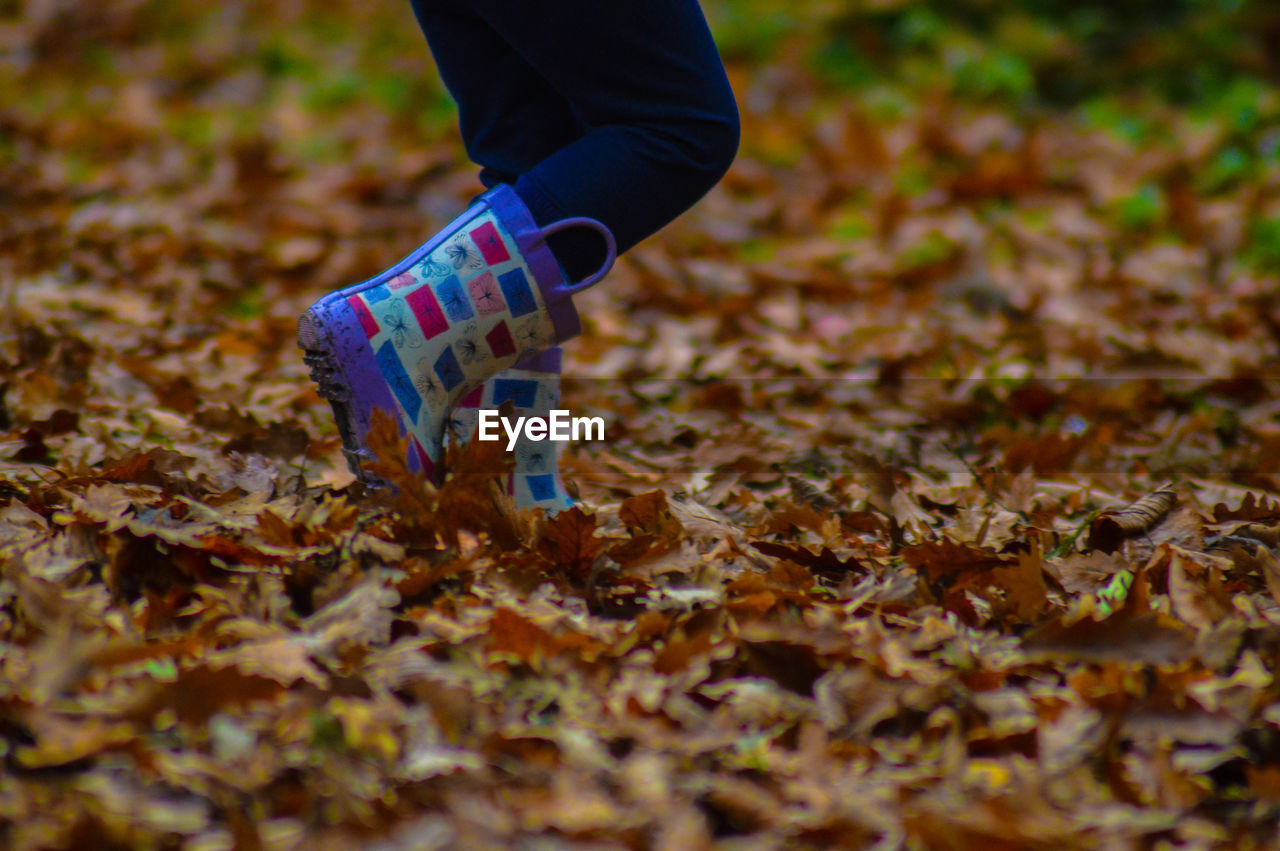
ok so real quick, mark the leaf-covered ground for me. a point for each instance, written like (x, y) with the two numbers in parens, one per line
(937, 506)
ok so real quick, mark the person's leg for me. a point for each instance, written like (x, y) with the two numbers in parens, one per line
(644, 79)
(617, 110)
(511, 118)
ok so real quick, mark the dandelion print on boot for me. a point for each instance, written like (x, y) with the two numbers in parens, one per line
(533, 388)
(478, 297)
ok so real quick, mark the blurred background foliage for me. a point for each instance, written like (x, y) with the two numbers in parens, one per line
(1220, 58)
(1120, 66)
(1201, 54)
(1023, 52)
(320, 79)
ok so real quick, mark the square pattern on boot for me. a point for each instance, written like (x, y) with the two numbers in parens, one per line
(473, 284)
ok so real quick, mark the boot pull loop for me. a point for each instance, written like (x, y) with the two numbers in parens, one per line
(611, 252)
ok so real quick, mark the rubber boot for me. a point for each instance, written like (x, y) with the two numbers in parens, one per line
(480, 296)
(533, 388)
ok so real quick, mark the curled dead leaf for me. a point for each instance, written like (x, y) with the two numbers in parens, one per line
(1111, 527)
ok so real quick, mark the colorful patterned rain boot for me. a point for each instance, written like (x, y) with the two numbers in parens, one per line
(478, 297)
(533, 388)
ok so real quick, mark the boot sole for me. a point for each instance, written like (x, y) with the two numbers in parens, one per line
(332, 386)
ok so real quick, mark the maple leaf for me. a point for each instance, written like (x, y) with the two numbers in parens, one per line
(568, 541)
(1252, 508)
(1024, 586)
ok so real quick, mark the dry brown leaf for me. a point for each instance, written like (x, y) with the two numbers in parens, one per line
(1085, 573)
(286, 660)
(1271, 572)
(1195, 589)
(1151, 637)
(60, 741)
(1024, 586)
(210, 637)
(1111, 527)
(649, 513)
(568, 541)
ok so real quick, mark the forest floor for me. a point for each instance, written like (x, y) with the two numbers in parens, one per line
(936, 509)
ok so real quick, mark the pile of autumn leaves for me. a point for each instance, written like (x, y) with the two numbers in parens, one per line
(912, 608)
(272, 668)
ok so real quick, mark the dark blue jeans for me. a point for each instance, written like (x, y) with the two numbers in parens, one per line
(615, 109)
